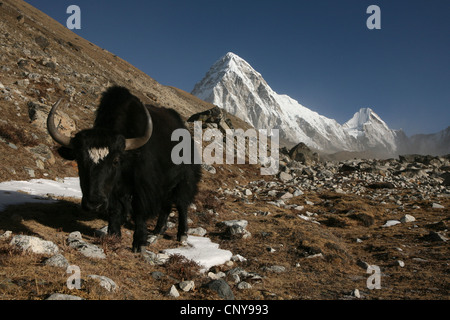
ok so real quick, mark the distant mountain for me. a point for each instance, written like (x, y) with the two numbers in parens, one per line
(232, 84)
(435, 144)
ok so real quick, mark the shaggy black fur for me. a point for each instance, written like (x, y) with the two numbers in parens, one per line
(144, 182)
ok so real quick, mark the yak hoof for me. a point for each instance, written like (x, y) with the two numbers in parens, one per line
(182, 238)
(139, 249)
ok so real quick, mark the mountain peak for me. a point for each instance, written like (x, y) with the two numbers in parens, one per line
(360, 118)
(232, 84)
(230, 55)
(232, 62)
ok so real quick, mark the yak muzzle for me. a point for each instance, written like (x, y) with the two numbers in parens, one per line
(95, 204)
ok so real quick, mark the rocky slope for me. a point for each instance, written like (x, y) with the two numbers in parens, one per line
(40, 61)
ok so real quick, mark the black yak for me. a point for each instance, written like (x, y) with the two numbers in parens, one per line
(125, 164)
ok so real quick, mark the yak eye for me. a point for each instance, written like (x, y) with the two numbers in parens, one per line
(116, 160)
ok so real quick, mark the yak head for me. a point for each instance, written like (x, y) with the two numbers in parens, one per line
(99, 153)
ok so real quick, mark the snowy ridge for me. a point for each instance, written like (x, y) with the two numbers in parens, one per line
(232, 84)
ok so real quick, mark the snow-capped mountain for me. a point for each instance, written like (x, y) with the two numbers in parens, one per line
(371, 131)
(232, 84)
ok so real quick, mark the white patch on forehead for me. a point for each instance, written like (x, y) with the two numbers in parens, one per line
(98, 154)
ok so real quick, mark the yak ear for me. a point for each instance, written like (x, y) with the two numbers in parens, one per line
(67, 153)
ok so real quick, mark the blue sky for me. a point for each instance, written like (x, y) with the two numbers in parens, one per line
(318, 52)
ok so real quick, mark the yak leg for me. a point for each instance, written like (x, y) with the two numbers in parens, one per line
(182, 222)
(114, 223)
(117, 215)
(161, 225)
(140, 226)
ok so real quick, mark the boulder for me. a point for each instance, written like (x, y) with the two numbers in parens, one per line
(303, 154)
(215, 116)
(222, 288)
(75, 241)
(38, 114)
(34, 244)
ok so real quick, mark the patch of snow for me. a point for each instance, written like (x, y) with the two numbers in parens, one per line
(203, 251)
(37, 191)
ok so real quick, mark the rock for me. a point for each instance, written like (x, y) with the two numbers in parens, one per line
(446, 177)
(248, 192)
(286, 195)
(215, 116)
(437, 206)
(30, 172)
(187, 286)
(400, 263)
(23, 83)
(155, 258)
(34, 244)
(58, 260)
(272, 193)
(157, 275)
(216, 276)
(436, 237)
(244, 285)
(6, 235)
(390, 223)
(104, 282)
(407, 218)
(238, 223)
(355, 293)
(285, 177)
(276, 269)
(222, 288)
(437, 226)
(317, 255)
(199, 231)
(235, 278)
(152, 238)
(346, 168)
(43, 152)
(362, 264)
(237, 230)
(303, 154)
(238, 258)
(173, 292)
(20, 19)
(38, 114)
(75, 241)
(209, 168)
(60, 296)
(42, 42)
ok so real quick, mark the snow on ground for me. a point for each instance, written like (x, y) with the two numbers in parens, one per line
(199, 249)
(37, 190)
(203, 251)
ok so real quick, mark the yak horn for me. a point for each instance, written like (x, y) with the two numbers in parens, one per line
(53, 130)
(134, 143)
